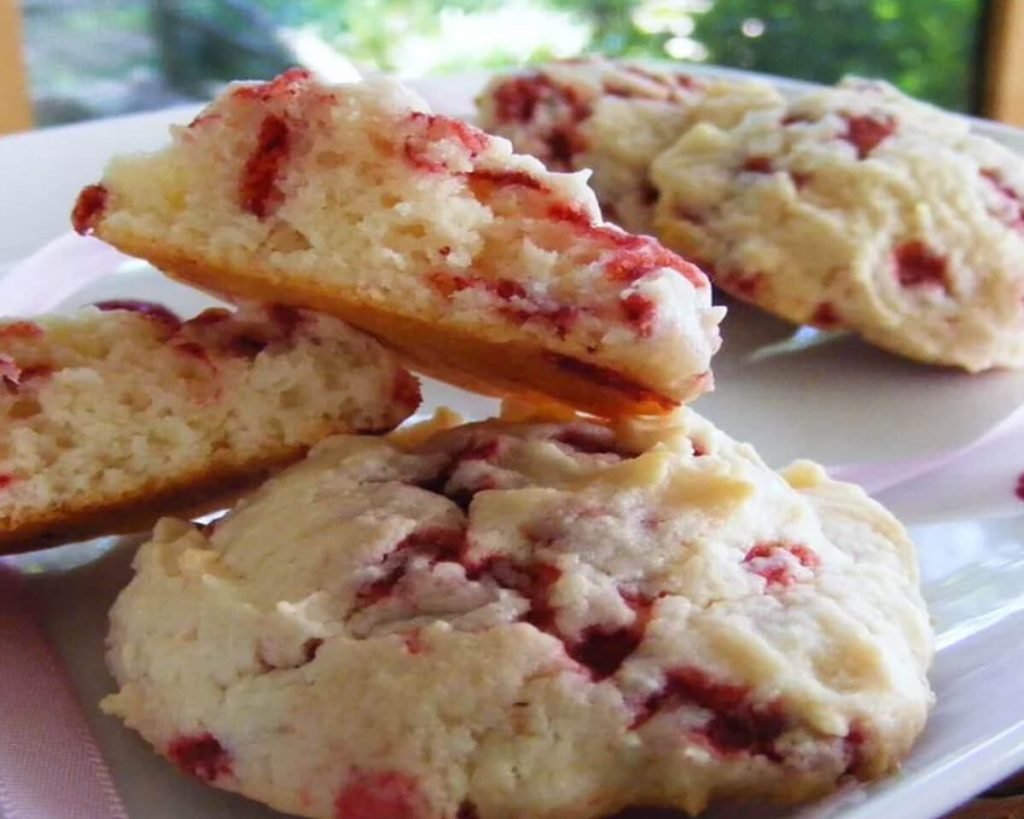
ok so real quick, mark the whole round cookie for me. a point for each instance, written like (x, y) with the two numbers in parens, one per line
(614, 117)
(528, 619)
(859, 207)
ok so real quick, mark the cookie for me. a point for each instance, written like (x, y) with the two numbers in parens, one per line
(528, 620)
(857, 207)
(477, 265)
(614, 117)
(114, 417)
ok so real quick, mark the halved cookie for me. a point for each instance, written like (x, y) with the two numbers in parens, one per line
(113, 418)
(477, 265)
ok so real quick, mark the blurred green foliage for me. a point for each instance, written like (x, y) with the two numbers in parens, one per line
(926, 47)
(157, 51)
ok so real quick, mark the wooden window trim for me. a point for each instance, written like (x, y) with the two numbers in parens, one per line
(1004, 63)
(15, 104)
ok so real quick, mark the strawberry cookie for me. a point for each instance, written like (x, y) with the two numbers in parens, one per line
(477, 265)
(613, 117)
(115, 416)
(528, 619)
(857, 207)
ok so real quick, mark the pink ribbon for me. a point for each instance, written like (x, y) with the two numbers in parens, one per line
(50, 766)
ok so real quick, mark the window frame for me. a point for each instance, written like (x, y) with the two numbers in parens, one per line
(1003, 51)
(15, 100)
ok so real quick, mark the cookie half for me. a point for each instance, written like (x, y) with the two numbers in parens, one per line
(613, 117)
(857, 207)
(477, 265)
(528, 620)
(113, 418)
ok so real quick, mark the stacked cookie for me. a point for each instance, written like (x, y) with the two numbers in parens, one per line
(853, 207)
(549, 614)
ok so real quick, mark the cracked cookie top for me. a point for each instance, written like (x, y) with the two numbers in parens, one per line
(857, 207)
(529, 619)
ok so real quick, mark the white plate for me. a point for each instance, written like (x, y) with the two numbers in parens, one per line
(831, 398)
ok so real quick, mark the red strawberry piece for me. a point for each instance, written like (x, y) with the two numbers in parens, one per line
(600, 649)
(413, 641)
(447, 284)
(200, 755)
(15, 377)
(853, 746)
(758, 164)
(286, 85)
(638, 256)
(564, 144)
(407, 390)
(770, 561)
(572, 215)
(434, 543)
(532, 580)
(258, 190)
(380, 795)
(287, 319)
(506, 289)
(641, 312)
(310, 648)
(649, 195)
(148, 309)
(10, 372)
(203, 120)
(825, 317)
(88, 210)
(603, 650)
(800, 179)
(745, 286)
(39, 371)
(562, 319)
(736, 725)
(467, 810)
(918, 266)
(504, 179)
(796, 119)
(20, 329)
(427, 130)
(865, 133)
(516, 99)
(1014, 215)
